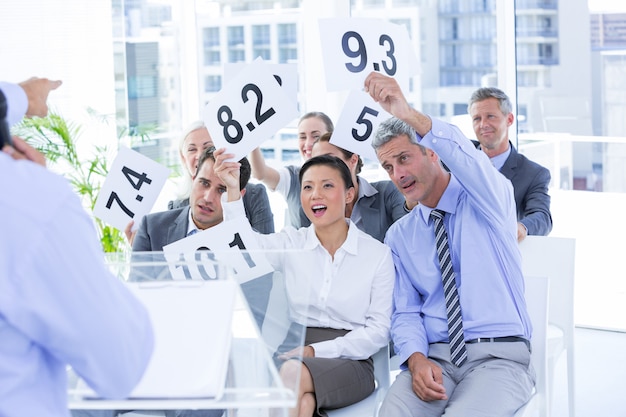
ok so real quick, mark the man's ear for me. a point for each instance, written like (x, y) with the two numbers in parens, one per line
(243, 192)
(509, 119)
(354, 159)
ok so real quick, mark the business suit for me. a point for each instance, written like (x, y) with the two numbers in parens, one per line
(530, 186)
(380, 205)
(160, 229)
(157, 230)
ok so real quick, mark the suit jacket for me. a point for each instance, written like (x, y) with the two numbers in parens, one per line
(160, 229)
(530, 186)
(380, 210)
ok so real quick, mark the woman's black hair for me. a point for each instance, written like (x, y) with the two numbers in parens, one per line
(332, 162)
(346, 153)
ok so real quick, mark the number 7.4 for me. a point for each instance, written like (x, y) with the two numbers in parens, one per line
(114, 197)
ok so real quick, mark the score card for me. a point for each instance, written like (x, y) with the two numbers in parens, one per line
(249, 110)
(130, 190)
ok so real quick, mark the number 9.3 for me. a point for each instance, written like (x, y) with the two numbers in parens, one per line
(361, 51)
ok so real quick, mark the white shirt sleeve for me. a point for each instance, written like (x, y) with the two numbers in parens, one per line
(284, 183)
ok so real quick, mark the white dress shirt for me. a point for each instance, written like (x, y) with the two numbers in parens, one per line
(353, 291)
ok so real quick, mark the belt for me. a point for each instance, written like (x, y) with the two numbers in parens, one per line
(499, 339)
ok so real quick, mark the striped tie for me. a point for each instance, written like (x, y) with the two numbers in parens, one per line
(458, 353)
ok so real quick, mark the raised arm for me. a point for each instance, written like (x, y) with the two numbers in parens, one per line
(229, 172)
(263, 172)
(386, 91)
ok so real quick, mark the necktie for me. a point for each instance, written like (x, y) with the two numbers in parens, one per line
(192, 232)
(458, 353)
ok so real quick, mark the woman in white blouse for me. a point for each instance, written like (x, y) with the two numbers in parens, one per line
(341, 288)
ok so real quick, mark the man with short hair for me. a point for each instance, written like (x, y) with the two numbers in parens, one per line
(492, 115)
(204, 210)
(460, 325)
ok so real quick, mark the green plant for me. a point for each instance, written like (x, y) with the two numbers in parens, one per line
(57, 139)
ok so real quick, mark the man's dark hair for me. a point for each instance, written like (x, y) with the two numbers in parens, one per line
(244, 173)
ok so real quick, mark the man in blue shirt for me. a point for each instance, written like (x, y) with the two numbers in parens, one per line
(494, 376)
(59, 303)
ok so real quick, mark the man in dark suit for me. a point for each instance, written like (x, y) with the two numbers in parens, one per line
(491, 112)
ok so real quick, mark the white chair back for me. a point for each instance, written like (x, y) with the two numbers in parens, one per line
(537, 295)
(554, 258)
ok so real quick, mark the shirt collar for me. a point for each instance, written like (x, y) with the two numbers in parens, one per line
(350, 245)
(365, 188)
(499, 160)
(190, 224)
(447, 202)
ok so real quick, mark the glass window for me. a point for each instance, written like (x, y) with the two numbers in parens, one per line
(287, 33)
(211, 37)
(236, 55)
(260, 35)
(288, 55)
(568, 86)
(142, 87)
(235, 36)
(212, 58)
(268, 153)
(291, 155)
(212, 83)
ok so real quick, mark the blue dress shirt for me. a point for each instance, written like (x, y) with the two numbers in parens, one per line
(482, 229)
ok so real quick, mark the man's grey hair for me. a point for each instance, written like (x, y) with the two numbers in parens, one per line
(392, 128)
(484, 93)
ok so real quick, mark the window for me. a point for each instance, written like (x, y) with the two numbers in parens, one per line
(287, 34)
(566, 86)
(235, 36)
(212, 58)
(261, 35)
(213, 83)
(142, 87)
(211, 37)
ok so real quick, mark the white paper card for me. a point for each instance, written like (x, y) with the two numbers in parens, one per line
(285, 74)
(248, 111)
(228, 243)
(130, 190)
(355, 47)
(358, 123)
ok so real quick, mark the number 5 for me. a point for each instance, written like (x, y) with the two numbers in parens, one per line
(363, 121)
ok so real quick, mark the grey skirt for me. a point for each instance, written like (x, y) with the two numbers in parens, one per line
(338, 382)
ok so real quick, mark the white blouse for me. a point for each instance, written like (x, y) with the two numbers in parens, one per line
(353, 291)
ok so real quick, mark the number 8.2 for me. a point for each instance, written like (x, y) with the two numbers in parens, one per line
(361, 51)
(229, 122)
